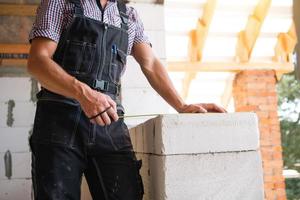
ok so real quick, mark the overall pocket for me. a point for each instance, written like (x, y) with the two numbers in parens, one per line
(78, 56)
(118, 61)
(55, 122)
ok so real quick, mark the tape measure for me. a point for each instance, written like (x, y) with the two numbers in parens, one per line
(137, 116)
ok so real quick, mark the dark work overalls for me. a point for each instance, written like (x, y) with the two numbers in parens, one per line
(64, 143)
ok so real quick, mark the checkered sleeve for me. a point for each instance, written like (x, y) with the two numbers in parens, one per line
(140, 36)
(49, 20)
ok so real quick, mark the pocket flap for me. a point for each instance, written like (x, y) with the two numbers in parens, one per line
(121, 56)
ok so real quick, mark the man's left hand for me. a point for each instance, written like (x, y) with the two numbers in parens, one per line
(201, 108)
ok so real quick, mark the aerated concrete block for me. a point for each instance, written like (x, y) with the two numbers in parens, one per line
(143, 101)
(158, 41)
(17, 89)
(21, 166)
(14, 139)
(198, 133)
(23, 114)
(3, 114)
(133, 76)
(220, 176)
(18, 189)
(200, 157)
(149, 13)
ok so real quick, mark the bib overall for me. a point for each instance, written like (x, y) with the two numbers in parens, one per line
(64, 143)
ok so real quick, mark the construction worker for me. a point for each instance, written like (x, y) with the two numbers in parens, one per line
(78, 53)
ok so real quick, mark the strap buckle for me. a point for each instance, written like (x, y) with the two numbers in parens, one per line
(118, 89)
(102, 85)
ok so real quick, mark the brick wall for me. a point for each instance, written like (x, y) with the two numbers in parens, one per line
(256, 91)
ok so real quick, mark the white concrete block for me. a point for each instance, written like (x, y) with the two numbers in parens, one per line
(200, 133)
(23, 114)
(134, 77)
(3, 114)
(142, 101)
(158, 41)
(152, 15)
(14, 139)
(220, 176)
(17, 189)
(18, 89)
(21, 166)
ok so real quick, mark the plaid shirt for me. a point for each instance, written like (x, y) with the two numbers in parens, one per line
(54, 15)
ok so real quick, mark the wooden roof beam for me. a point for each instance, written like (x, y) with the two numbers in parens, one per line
(284, 48)
(14, 48)
(14, 54)
(285, 45)
(247, 38)
(17, 10)
(187, 66)
(197, 42)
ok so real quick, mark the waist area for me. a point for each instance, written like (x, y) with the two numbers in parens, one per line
(46, 95)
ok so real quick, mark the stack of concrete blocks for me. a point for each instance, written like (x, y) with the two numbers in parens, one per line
(200, 157)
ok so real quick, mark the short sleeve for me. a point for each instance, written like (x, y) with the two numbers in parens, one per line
(49, 20)
(140, 36)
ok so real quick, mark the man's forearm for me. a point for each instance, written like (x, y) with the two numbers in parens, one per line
(54, 78)
(160, 81)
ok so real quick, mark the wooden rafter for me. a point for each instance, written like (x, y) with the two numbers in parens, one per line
(228, 66)
(247, 38)
(10, 54)
(17, 10)
(227, 94)
(197, 42)
(285, 45)
(14, 48)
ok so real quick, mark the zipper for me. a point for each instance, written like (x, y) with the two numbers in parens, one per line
(102, 52)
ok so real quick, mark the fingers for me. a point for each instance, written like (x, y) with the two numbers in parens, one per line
(201, 110)
(194, 108)
(113, 114)
(214, 108)
(99, 121)
(106, 118)
(112, 103)
(103, 118)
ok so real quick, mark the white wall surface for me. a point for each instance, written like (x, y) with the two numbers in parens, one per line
(138, 96)
(15, 127)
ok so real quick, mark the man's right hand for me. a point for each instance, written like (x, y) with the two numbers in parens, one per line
(93, 102)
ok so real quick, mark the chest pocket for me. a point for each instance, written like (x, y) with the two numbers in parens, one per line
(78, 56)
(117, 64)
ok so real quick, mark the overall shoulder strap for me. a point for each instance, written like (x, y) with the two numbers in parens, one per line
(78, 7)
(124, 17)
